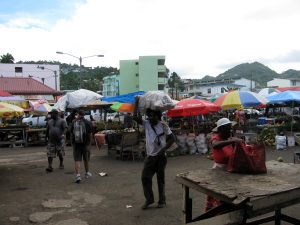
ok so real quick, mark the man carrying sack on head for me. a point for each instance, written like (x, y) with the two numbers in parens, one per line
(158, 139)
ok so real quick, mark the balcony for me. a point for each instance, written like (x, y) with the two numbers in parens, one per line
(161, 69)
(162, 80)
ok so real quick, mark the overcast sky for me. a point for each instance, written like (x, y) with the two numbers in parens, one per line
(198, 37)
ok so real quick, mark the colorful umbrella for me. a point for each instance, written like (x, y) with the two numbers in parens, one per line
(122, 107)
(9, 110)
(16, 100)
(215, 97)
(193, 107)
(240, 100)
(40, 107)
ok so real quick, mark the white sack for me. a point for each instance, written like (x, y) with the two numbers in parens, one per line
(155, 100)
(76, 99)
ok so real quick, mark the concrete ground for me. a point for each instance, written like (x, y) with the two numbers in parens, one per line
(28, 195)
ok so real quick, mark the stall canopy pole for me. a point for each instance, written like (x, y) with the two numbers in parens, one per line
(293, 105)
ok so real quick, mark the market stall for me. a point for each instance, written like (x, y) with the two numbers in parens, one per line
(244, 197)
(13, 135)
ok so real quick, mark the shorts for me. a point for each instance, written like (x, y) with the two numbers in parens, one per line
(56, 149)
(81, 151)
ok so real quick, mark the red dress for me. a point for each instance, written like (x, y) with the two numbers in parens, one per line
(221, 157)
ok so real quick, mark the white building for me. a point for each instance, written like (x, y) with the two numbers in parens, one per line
(44, 73)
(278, 82)
(218, 86)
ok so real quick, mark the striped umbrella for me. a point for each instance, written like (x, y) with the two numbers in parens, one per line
(10, 111)
(122, 107)
(241, 100)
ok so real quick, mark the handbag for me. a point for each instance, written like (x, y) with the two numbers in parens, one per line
(248, 159)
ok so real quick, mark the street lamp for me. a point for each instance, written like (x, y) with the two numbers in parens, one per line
(80, 62)
(55, 74)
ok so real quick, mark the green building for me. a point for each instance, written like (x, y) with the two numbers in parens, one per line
(148, 73)
(111, 85)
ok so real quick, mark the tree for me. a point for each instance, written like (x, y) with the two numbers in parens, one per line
(176, 84)
(7, 58)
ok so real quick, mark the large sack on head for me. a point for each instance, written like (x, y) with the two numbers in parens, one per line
(155, 100)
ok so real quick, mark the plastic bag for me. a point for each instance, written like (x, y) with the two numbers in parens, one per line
(249, 159)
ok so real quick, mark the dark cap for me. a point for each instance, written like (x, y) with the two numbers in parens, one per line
(54, 111)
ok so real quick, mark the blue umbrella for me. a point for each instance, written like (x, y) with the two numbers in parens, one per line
(126, 98)
(286, 97)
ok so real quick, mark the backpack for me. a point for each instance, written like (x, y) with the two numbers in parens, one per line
(79, 132)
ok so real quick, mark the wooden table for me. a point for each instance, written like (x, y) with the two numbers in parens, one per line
(243, 196)
(36, 136)
(16, 135)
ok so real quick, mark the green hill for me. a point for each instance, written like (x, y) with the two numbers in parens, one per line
(255, 71)
(290, 74)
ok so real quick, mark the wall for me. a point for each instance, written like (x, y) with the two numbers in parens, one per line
(148, 73)
(129, 81)
(142, 74)
(245, 82)
(8, 70)
(276, 82)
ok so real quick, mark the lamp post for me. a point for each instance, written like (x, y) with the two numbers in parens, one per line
(55, 75)
(80, 62)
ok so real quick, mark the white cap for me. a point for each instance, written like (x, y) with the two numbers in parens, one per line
(222, 122)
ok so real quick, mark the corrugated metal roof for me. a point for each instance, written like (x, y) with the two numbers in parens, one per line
(24, 85)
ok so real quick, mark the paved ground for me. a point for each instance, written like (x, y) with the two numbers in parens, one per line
(30, 195)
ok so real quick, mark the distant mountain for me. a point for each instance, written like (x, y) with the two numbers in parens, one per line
(208, 78)
(255, 71)
(290, 74)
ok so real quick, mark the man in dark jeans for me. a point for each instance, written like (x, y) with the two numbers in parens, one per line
(158, 139)
(81, 144)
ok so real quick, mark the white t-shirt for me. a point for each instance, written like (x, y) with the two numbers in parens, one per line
(155, 141)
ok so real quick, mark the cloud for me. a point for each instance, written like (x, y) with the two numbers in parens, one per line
(197, 37)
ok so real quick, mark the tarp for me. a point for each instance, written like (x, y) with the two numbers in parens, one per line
(76, 99)
(126, 98)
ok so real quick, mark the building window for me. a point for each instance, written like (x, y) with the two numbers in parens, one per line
(161, 87)
(293, 83)
(18, 69)
(209, 91)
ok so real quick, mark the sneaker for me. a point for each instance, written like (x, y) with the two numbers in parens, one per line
(49, 169)
(87, 175)
(161, 205)
(146, 205)
(61, 167)
(78, 179)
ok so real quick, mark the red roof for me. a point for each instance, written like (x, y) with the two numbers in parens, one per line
(25, 86)
(294, 88)
(4, 94)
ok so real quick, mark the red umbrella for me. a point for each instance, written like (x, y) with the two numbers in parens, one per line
(4, 93)
(193, 107)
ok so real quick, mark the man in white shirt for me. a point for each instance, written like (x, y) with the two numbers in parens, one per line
(158, 139)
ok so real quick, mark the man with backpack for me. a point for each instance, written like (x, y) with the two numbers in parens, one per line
(81, 132)
(55, 133)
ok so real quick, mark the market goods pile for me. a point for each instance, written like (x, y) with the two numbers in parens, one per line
(267, 135)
